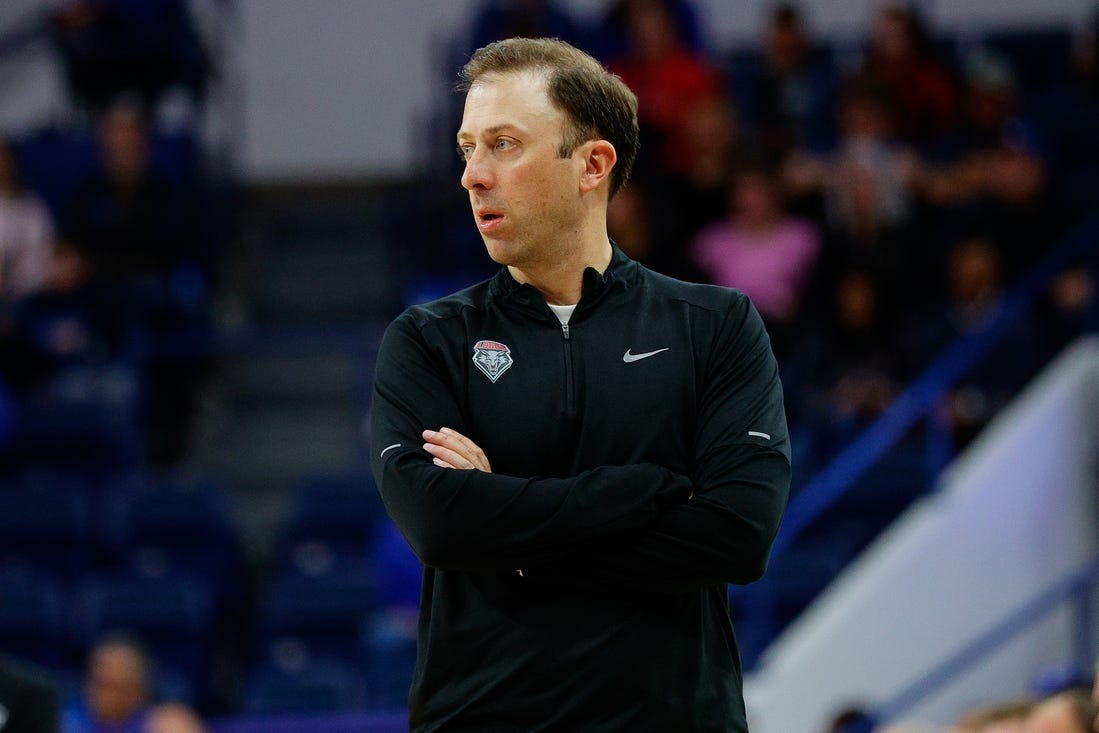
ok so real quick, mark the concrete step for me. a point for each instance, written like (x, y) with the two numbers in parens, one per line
(322, 285)
(271, 445)
(327, 378)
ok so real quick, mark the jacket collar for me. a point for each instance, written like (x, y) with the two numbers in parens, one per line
(621, 272)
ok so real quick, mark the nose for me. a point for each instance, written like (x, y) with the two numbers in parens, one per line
(477, 173)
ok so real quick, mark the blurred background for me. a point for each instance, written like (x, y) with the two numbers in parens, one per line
(209, 210)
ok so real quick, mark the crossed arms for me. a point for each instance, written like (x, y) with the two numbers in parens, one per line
(638, 528)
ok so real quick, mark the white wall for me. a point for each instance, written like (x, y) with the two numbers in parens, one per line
(1016, 513)
(31, 83)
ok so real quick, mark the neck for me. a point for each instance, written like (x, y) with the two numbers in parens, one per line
(561, 282)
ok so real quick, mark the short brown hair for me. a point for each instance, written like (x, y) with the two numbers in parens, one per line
(596, 103)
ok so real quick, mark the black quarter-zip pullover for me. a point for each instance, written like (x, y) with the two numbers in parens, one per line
(640, 463)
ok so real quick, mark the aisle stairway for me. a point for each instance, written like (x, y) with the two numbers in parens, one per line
(310, 293)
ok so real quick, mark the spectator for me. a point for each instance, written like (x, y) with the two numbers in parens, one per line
(868, 182)
(118, 695)
(1006, 717)
(761, 250)
(613, 37)
(794, 95)
(865, 186)
(1071, 307)
(114, 47)
(976, 301)
(499, 19)
(26, 233)
(685, 203)
(118, 689)
(629, 225)
(668, 77)
(852, 359)
(1067, 712)
(851, 720)
(140, 232)
(999, 179)
(919, 90)
(174, 718)
(70, 321)
(128, 219)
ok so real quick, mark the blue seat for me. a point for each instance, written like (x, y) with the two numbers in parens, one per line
(54, 163)
(324, 606)
(32, 618)
(315, 685)
(341, 510)
(397, 569)
(173, 617)
(389, 648)
(87, 417)
(176, 526)
(149, 607)
(46, 527)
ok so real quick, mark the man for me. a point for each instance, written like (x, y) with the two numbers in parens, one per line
(117, 689)
(638, 445)
(118, 694)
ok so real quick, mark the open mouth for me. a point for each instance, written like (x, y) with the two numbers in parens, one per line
(488, 220)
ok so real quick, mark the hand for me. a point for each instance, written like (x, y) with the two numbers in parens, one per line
(451, 449)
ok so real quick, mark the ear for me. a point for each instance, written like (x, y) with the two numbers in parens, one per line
(599, 157)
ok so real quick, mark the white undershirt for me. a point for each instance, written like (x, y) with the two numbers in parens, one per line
(563, 312)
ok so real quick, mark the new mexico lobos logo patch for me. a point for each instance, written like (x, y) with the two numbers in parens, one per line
(492, 358)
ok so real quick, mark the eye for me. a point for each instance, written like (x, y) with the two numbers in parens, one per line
(504, 144)
(465, 150)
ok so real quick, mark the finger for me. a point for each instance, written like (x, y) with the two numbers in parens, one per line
(463, 446)
(441, 463)
(471, 449)
(451, 457)
(448, 441)
(441, 453)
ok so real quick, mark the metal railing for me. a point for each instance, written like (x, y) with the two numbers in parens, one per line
(1077, 589)
(919, 401)
(922, 400)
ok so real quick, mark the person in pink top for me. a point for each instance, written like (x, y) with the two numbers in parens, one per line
(759, 249)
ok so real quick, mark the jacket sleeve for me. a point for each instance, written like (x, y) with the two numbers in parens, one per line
(741, 476)
(472, 520)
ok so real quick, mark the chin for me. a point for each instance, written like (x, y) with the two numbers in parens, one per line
(500, 252)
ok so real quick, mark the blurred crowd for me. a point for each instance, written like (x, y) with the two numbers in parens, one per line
(107, 247)
(876, 201)
(110, 230)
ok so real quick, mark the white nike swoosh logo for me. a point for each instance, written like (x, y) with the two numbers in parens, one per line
(388, 448)
(631, 358)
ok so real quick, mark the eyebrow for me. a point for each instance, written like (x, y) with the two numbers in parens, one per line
(494, 130)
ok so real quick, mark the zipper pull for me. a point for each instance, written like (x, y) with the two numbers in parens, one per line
(565, 330)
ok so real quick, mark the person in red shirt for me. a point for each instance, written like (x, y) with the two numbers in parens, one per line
(921, 92)
(668, 77)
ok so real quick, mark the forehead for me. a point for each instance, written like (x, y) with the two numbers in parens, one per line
(116, 658)
(518, 98)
